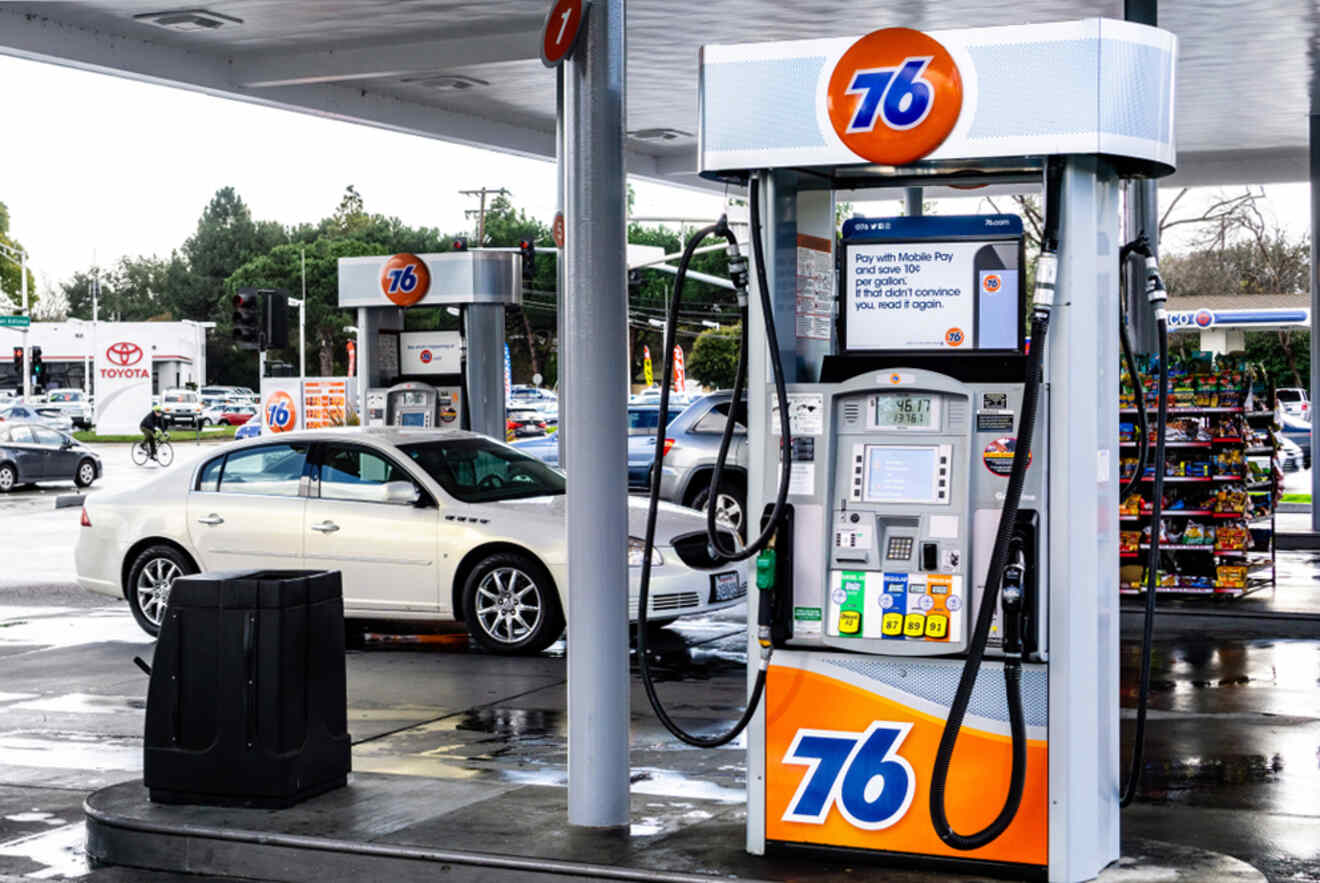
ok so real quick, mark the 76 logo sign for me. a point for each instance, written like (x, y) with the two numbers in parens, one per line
(861, 774)
(899, 96)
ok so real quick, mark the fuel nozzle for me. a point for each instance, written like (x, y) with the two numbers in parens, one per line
(765, 606)
(1010, 599)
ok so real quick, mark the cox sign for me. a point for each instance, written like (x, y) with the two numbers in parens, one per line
(894, 96)
(123, 360)
(404, 279)
(1191, 319)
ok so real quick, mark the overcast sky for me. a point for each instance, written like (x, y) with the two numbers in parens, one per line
(95, 165)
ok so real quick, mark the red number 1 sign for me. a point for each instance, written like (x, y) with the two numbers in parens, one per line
(562, 25)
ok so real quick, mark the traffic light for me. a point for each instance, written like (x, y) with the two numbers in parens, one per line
(527, 249)
(18, 364)
(460, 244)
(275, 318)
(37, 367)
(634, 282)
(247, 319)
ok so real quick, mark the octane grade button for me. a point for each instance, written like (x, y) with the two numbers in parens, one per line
(886, 600)
(953, 603)
(838, 596)
(925, 602)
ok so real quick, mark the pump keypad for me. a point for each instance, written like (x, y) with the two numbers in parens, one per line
(899, 549)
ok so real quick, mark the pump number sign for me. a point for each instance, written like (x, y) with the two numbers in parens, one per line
(562, 24)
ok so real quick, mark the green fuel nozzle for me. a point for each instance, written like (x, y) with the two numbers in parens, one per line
(765, 569)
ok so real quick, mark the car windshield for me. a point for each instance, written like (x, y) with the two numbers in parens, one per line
(477, 470)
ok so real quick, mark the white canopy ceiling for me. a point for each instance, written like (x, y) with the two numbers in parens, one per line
(468, 71)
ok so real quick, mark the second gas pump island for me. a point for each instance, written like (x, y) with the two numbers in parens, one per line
(441, 378)
(933, 670)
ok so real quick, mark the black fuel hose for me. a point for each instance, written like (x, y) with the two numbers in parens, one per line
(985, 616)
(1045, 297)
(738, 273)
(1156, 295)
(1143, 427)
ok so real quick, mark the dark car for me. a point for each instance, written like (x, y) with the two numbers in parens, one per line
(525, 423)
(30, 452)
(693, 440)
(642, 420)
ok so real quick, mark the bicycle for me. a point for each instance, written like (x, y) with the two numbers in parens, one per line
(164, 451)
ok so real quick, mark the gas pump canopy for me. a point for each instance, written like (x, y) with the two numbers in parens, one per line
(953, 104)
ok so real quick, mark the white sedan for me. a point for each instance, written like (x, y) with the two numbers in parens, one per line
(423, 525)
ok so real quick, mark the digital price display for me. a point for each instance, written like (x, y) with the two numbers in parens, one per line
(903, 411)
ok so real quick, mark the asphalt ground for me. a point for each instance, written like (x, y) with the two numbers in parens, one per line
(1230, 759)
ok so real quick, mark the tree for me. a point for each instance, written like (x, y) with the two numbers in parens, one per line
(714, 359)
(225, 239)
(11, 276)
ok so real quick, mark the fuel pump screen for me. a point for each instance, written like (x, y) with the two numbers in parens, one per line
(894, 411)
(897, 474)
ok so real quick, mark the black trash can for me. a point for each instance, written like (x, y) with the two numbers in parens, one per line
(248, 701)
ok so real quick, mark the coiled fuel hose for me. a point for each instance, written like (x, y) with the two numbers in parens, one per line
(719, 550)
(1043, 302)
(1157, 297)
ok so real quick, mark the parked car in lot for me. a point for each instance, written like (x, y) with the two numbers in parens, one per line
(181, 406)
(250, 429)
(1290, 456)
(227, 414)
(693, 441)
(72, 403)
(45, 416)
(641, 444)
(423, 525)
(31, 452)
(525, 423)
(1298, 431)
(1293, 401)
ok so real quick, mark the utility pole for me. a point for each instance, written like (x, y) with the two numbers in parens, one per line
(480, 213)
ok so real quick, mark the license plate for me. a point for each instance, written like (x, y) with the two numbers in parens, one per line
(726, 586)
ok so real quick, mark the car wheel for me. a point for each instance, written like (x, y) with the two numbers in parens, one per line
(730, 504)
(149, 582)
(86, 474)
(510, 604)
(8, 478)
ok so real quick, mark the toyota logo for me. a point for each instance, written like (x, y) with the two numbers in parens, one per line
(123, 354)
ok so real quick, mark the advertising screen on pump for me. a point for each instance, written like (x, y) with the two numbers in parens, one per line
(123, 382)
(430, 352)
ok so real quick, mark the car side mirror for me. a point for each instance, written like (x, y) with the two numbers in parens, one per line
(402, 493)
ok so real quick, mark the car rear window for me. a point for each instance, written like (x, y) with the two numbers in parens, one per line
(268, 470)
(1289, 395)
(715, 419)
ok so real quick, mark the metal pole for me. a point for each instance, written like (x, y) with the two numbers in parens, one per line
(912, 202)
(96, 297)
(302, 320)
(1315, 313)
(1142, 215)
(594, 355)
(27, 350)
(559, 259)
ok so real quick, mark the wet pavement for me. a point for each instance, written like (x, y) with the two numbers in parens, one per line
(1232, 759)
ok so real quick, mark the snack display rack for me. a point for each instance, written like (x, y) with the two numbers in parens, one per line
(1220, 487)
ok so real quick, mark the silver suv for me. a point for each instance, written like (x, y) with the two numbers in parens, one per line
(692, 441)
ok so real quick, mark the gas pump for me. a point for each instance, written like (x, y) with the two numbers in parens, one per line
(933, 673)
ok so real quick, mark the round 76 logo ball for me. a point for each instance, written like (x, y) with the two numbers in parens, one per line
(281, 415)
(894, 96)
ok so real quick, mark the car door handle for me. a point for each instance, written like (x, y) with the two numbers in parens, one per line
(326, 527)
(211, 519)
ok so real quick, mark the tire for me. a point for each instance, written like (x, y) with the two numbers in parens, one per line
(731, 503)
(355, 634)
(86, 473)
(164, 453)
(8, 478)
(149, 582)
(139, 454)
(498, 594)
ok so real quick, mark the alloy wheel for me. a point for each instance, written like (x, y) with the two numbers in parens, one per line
(6, 479)
(728, 510)
(153, 588)
(86, 473)
(509, 605)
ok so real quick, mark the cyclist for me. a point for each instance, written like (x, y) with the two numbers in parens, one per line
(151, 424)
